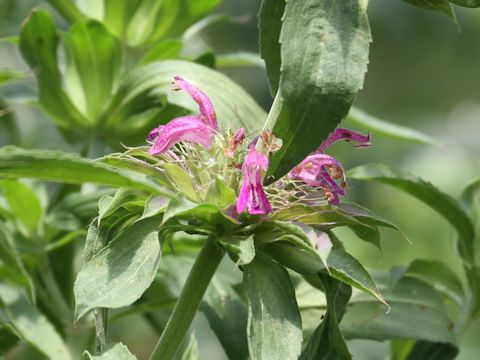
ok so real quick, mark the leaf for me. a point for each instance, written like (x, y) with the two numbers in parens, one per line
(191, 352)
(220, 194)
(141, 89)
(437, 5)
(473, 278)
(366, 121)
(182, 180)
(270, 25)
(466, 3)
(69, 168)
(164, 50)
(93, 59)
(23, 203)
(274, 323)
(116, 351)
(240, 58)
(14, 266)
(327, 341)
(442, 203)
(322, 70)
(10, 75)
(31, 325)
(416, 312)
(120, 273)
(427, 350)
(242, 248)
(440, 276)
(38, 44)
(67, 9)
(346, 268)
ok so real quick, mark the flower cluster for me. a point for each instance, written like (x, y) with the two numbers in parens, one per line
(318, 172)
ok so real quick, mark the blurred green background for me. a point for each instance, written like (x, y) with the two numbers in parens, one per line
(424, 72)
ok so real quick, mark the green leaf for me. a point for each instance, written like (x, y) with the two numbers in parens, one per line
(436, 5)
(240, 58)
(164, 50)
(473, 278)
(38, 44)
(69, 168)
(67, 9)
(142, 88)
(442, 203)
(466, 3)
(242, 248)
(10, 75)
(191, 352)
(13, 264)
(220, 194)
(93, 60)
(31, 325)
(119, 273)
(440, 276)
(23, 203)
(116, 351)
(274, 323)
(182, 180)
(346, 268)
(427, 350)
(270, 26)
(416, 312)
(327, 341)
(366, 121)
(322, 70)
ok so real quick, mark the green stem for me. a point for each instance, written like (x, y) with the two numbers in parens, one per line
(67, 9)
(192, 293)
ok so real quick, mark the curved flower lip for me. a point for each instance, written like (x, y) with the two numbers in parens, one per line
(206, 108)
(252, 197)
(184, 128)
(347, 135)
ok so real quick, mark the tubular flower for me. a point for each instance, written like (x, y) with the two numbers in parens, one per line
(235, 141)
(198, 129)
(185, 128)
(347, 135)
(321, 170)
(207, 112)
(252, 197)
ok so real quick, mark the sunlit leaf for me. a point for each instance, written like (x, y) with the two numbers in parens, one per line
(116, 351)
(119, 273)
(322, 69)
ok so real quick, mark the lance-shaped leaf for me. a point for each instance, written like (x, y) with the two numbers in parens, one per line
(466, 3)
(38, 44)
(442, 203)
(274, 323)
(442, 6)
(30, 324)
(119, 273)
(93, 59)
(322, 69)
(69, 168)
(327, 341)
(416, 312)
(380, 127)
(270, 25)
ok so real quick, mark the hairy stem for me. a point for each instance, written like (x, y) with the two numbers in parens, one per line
(187, 304)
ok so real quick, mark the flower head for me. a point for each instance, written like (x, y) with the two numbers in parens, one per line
(347, 135)
(252, 197)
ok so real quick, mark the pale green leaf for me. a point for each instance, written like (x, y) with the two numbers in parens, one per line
(274, 323)
(116, 351)
(23, 203)
(119, 273)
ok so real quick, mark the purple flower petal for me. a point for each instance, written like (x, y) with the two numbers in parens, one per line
(313, 171)
(347, 135)
(252, 197)
(185, 128)
(206, 108)
(239, 137)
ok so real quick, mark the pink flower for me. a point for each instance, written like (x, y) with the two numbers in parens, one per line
(252, 197)
(234, 142)
(198, 129)
(207, 112)
(314, 169)
(184, 128)
(347, 135)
